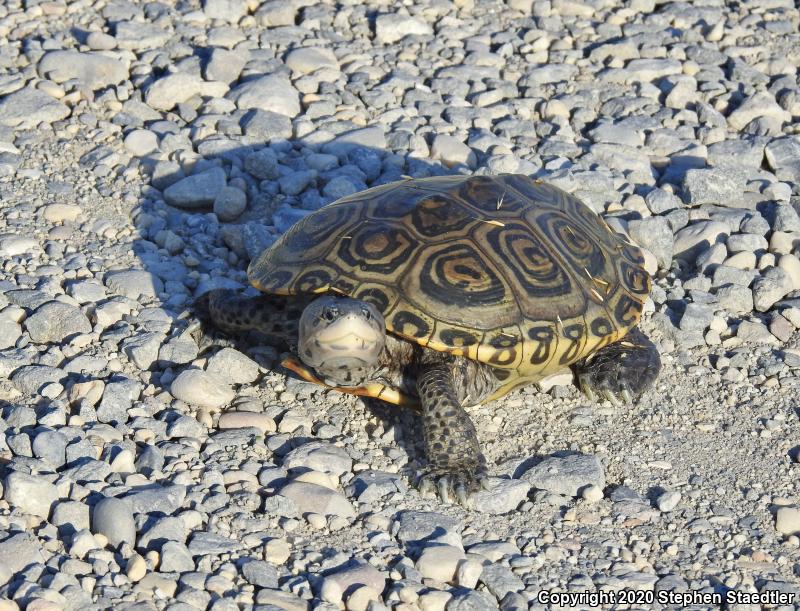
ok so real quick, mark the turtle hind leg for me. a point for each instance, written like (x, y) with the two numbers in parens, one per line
(456, 465)
(272, 316)
(622, 371)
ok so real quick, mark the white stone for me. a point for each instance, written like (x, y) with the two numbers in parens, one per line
(787, 520)
(140, 142)
(791, 265)
(11, 245)
(318, 499)
(440, 562)
(173, 89)
(239, 420)
(394, 27)
(96, 70)
(757, 105)
(198, 387)
(58, 213)
(136, 568)
(309, 59)
(452, 151)
(468, 573)
(30, 494)
(694, 239)
(271, 92)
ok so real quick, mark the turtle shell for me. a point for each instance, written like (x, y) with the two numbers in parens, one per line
(503, 269)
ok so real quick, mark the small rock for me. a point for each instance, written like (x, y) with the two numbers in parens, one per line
(58, 213)
(28, 107)
(30, 494)
(225, 10)
(698, 237)
(439, 562)
(759, 104)
(55, 321)
(134, 283)
(168, 91)
(136, 568)
(118, 397)
(197, 387)
(668, 501)
(783, 157)
(238, 420)
(566, 475)
(452, 151)
(503, 496)
(230, 203)
(394, 27)
(319, 456)
(176, 558)
(196, 191)
(271, 93)
(113, 518)
(318, 499)
(310, 59)
(140, 142)
(95, 70)
(787, 520)
(276, 551)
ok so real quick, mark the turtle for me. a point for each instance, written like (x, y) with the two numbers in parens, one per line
(446, 292)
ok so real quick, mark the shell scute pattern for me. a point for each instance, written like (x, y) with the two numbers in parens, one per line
(502, 269)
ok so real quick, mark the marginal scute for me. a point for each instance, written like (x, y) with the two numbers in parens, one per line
(503, 269)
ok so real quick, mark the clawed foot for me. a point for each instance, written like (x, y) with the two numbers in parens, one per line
(621, 371)
(452, 485)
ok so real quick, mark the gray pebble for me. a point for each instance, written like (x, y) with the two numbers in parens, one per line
(134, 283)
(32, 379)
(204, 543)
(196, 191)
(118, 398)
(566, 475)
(176, 558)
(234, 366)
(28, 107)
(263, 126)
(56, 321)
(319, 456)
(50, 446)
(273, 93)
(113, 518)
(229, 203)
(94, 70)
(30, 494)
(260, 573)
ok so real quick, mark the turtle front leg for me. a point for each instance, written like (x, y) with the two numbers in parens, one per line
(622, 371)
(273, 316)
(456, 465)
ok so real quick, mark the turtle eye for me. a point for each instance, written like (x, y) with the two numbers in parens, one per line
(330, 313)
(366, 313)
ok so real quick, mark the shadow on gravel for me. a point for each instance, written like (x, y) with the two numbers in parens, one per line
(199, 224)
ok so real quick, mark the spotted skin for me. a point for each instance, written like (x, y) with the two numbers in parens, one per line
(456, 465)
(275, 318)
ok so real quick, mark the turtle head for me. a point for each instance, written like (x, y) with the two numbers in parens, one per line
(341, 339)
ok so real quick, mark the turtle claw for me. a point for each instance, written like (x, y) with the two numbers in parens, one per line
(452, 487)
(620, 372)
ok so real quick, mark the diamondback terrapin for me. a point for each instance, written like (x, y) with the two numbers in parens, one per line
(447, 292)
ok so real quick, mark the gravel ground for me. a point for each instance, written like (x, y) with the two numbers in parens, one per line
(148, 150)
